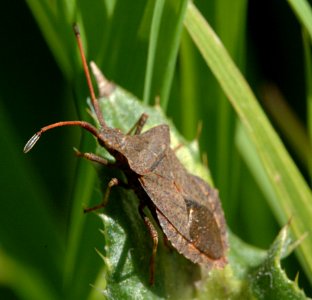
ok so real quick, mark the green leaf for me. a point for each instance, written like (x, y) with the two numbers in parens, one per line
(268, 280)
(128, 246)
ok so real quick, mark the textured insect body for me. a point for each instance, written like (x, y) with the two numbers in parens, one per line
(187, 209)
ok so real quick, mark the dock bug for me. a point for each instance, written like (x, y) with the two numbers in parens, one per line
(185, 207)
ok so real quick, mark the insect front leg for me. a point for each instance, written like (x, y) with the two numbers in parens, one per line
(138, 126)
(113, 182)
(93, 157)
(154, 235)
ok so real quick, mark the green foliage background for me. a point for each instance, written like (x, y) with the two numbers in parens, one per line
(41, 233)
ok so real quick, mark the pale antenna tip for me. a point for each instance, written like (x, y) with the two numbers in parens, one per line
(31, 142)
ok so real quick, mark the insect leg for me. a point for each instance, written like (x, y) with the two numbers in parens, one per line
(154, 235)
(112, 182)
(93, 157)
(138, 126)
(167, 242)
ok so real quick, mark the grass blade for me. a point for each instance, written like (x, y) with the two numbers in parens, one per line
(46, 14)
(158, 10)
(303, 11)
(308, 75)
(288, 122)
(167, 50)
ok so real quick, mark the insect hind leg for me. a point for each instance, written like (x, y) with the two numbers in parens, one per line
(154, 235)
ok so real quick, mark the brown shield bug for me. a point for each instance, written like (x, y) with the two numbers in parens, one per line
(187, 209)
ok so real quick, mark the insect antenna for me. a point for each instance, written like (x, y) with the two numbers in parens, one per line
(94, 100)
(33, 140)
(85, 125)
